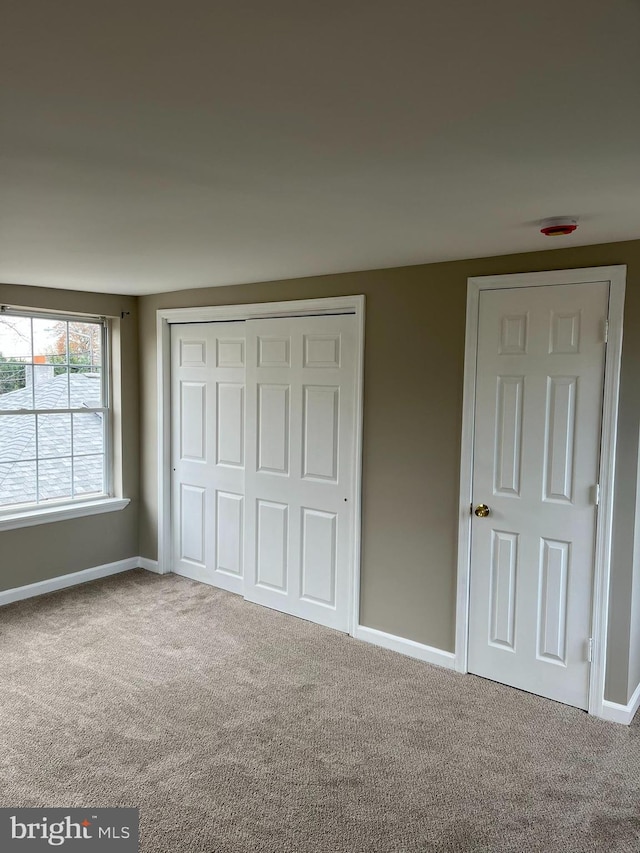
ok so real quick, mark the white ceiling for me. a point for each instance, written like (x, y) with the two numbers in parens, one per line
(151, 145)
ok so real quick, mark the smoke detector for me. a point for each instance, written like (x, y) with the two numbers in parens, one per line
(558, 226)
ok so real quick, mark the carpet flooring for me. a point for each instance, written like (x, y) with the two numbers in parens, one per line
(234, 728)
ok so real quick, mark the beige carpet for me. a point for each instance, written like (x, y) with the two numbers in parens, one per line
(235, 728)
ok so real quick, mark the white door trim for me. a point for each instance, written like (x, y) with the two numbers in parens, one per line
(295, 308)
(616, 276)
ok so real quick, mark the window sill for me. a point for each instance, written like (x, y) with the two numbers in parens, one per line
(45, 515)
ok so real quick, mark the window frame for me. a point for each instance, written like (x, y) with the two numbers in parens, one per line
(27, 514)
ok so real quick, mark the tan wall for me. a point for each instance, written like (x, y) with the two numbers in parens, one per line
(413, 401)
(37, 553)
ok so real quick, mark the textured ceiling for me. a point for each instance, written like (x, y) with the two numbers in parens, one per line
(152, 146)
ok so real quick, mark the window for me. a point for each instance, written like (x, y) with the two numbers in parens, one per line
(54, 410)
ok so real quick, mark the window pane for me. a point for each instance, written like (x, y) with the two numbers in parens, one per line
(15, 377)
(18, 483)
(49, 341)
(17, 437)
(54, 436)
(51, 386)
(85, 388)
(54, 479)
(88, 434)
(15, 338)
(85, 345)
(88, 475)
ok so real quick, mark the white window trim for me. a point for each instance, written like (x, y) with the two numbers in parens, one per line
(29, 515)
(46, 514)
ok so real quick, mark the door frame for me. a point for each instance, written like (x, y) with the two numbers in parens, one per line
(165, 318)
(616, 276)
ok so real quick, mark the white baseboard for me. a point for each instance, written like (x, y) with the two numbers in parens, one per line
(18, 593)
(405, 647)
(149, 565)
(622, 713)
(8, 596)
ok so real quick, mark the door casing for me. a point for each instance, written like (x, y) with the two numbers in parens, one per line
(616, 276)
(226, 313)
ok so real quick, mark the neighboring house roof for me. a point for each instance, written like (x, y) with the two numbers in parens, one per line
(54, 440)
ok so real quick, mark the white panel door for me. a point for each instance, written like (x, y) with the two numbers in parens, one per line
(538, 416)
(299, 466)
(208, 423)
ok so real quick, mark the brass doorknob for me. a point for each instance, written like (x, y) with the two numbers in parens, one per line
(482, 510)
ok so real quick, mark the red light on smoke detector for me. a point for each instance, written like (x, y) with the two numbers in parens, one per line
(557, 230)
(558, 227)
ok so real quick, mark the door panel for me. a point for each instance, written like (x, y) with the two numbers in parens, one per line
(508, 460)
(229, 532)
(552, 609)
(192, 523)
(321, 416)
(193, 421)
(539, 382)
(273, 428)
(207, 453)
(273, 351)
(318, 567)
(504, 565)
(230, 425)
(559, 430)
(272, 546)
(299, 466)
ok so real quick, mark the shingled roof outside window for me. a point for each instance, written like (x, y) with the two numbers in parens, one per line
(52, 437)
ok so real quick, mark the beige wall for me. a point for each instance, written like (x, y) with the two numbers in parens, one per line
(413, 401)
(37, 553)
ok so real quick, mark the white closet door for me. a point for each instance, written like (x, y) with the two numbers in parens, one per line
(539, 383)
(208, 423)
(299, 466)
